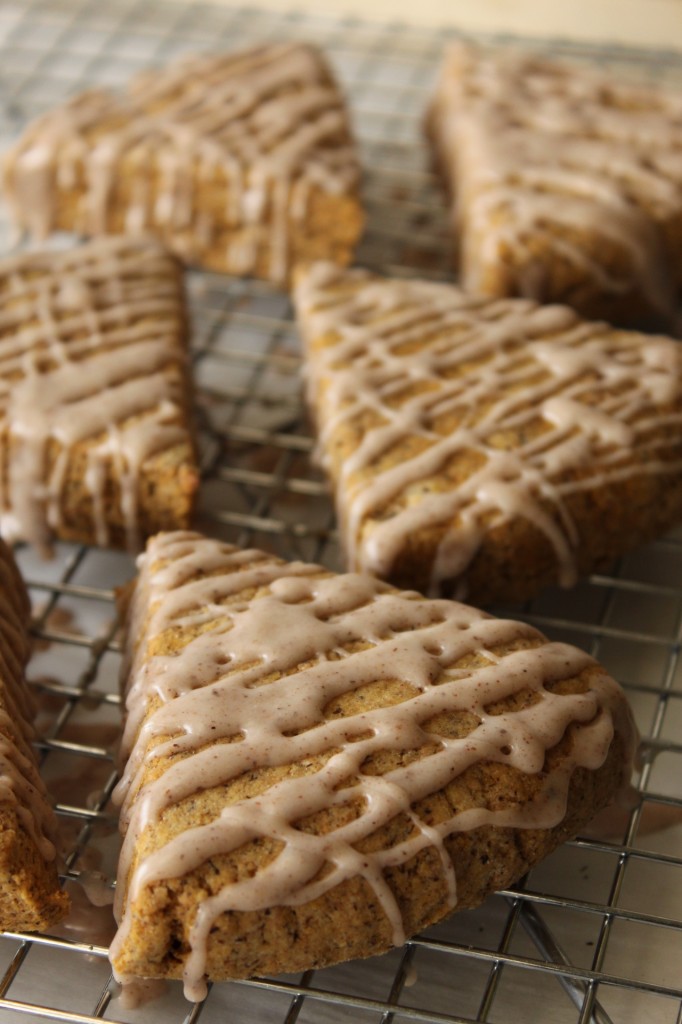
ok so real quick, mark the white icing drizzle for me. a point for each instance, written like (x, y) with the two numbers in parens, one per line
(265, 126)
(139, 992)
(305, 625)
(609, 400)
(537, 152)
(20, 782)
(91, 350)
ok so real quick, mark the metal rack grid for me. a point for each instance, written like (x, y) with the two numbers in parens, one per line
(592, 935)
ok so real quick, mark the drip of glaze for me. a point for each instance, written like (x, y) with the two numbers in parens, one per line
(138, 992)
(493, 367)
(90, 351)
(90, 920)
(266, 127)
(303, 616)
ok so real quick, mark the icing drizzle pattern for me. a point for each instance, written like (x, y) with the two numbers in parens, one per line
(530, 404)
(20, 781)
(260, 671)
(269, 124)
(91, 350)
(542, 153)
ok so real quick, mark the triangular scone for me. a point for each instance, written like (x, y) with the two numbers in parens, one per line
(486, 447)
(30, 897)
(320, 765)
(567, 185)
(241, 163)
(95, 440)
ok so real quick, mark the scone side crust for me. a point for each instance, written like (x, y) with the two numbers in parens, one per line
(96, 442)
(30, 897)
(242, 162)
(297, 739)
(457, 428)
(247, 943)
(566, 182)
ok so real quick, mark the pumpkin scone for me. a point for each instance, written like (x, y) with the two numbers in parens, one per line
(486, 447)
(241, 162)
(30, 896)
(320, 765)
(95, 438)
(566, 183)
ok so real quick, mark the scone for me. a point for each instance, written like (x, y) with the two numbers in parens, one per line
(319, 765)
(486, 447)
(242, 162)
(95, 441)
(566, 184)
(30, 897)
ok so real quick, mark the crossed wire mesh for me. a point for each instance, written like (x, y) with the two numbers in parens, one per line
(593, 935)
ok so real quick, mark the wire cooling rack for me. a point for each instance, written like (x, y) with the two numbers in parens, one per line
(593, 935)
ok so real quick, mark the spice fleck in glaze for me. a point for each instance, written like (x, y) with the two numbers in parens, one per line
(94, 442)
(486, 447)
(318, 765)
(240, 162)
(566, 183)
(30, 897)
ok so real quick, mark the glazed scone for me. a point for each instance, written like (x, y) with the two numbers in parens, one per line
(95, 439)
(566, 184)
(241, 162)
(30, 897)
(486, 447)
(319, 765)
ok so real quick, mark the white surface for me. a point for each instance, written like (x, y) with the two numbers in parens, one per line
(656, 23)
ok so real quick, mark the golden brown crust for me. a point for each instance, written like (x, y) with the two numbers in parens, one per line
(348, 922)
(166, 495)
(30, 897)
(516, 561)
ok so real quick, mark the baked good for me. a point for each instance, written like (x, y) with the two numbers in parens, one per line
(242, 162)
(319, 765)
(566, 183)
(30, 897)
(95, 443)
(486, 447)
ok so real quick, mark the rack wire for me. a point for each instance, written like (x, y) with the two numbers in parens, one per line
(591, 936)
